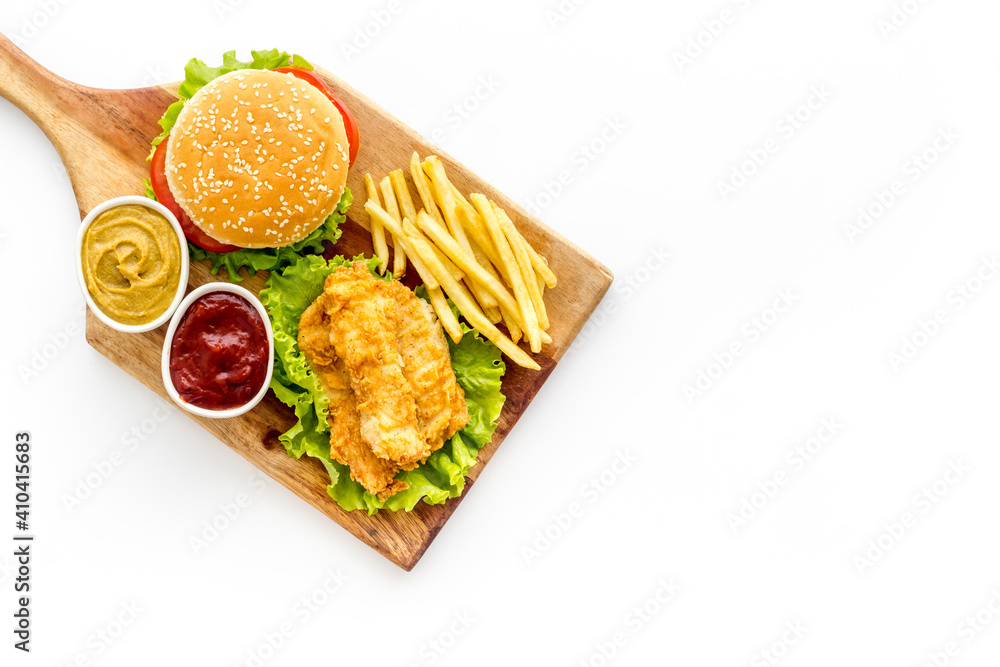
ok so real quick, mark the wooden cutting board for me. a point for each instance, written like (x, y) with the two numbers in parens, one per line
(103, 138)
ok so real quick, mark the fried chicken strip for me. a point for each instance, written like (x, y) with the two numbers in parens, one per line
(441, 408)
(363, 317)
(374, 473)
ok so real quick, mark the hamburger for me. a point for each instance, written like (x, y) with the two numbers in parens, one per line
(254, 158)
(258, 159)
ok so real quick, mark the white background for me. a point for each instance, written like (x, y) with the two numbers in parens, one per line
(818, 554)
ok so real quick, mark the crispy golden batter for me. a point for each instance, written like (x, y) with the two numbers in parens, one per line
(384, 363)
(441, 409)
(375, 474)
(363, 318)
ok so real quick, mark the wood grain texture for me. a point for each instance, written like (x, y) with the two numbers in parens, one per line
(103, 138)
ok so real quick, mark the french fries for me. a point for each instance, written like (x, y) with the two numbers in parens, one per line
(378, 232)
(523, 257)
(441, 189)
(468, 308)
(403, 194)
(448, 320)
(467, 251)
(511, 268)
(377, 212)
(398, 254)
(423, 188)
(466, 261)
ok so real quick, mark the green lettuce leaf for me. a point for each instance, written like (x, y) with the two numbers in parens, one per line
(478, 368)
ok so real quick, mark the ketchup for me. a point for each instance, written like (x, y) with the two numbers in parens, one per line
(219, 353)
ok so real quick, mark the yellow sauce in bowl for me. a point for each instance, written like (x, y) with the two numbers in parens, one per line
(131, 259)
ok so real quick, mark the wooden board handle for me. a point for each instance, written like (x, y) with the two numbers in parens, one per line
(29, 86)
(92, 129)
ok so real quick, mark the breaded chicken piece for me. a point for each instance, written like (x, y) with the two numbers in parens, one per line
(382, 358)
(363, 316)
(374, 473)
(441, 408)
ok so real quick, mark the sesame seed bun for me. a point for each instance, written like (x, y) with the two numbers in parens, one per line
(258, 159)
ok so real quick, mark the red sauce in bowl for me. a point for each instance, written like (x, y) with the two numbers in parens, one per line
(220, 353)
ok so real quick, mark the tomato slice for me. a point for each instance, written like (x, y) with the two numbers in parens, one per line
(350, 126)
(194, 234)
